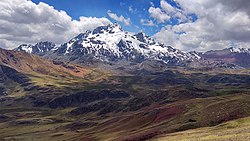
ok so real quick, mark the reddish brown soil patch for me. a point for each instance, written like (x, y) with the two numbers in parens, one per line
(144, 136)
(168, 113)
(87, 139)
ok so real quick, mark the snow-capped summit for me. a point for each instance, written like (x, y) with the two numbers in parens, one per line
(40, 48)
(112, 43)
(228, 51)
(239, 56)
(110, 28)
(25, 47)
(239, 50)
(142, 37)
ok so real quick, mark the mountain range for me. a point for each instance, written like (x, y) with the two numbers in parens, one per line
(111, 44)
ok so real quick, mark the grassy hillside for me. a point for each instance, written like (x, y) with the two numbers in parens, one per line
(147, 123)
(236, 130)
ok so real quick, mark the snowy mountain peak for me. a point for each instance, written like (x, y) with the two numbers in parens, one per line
(110, 28)
(40, 48)
(228, 51)
(111, 43)
(25, 47)
(142, 37)
(239, 50)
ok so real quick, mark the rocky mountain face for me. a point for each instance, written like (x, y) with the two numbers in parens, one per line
(240, 56)
(40, 48)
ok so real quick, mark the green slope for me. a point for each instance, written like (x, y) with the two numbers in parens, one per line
(236, 130)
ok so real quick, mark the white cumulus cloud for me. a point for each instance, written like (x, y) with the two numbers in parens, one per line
(23, 21)
(121, 19)
(167, 7)
(158, 14)
(147, 22)
(220, 23)
(132, 10)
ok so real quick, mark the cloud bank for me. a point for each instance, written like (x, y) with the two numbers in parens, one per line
(189, 25)
(121, 19)
(23, 21)
(219, 24)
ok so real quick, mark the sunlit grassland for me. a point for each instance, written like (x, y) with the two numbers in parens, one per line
(236, 130)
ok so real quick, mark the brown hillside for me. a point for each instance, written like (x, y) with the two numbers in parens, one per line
(27, 63)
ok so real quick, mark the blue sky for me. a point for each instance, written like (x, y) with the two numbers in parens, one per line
(133, 9)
